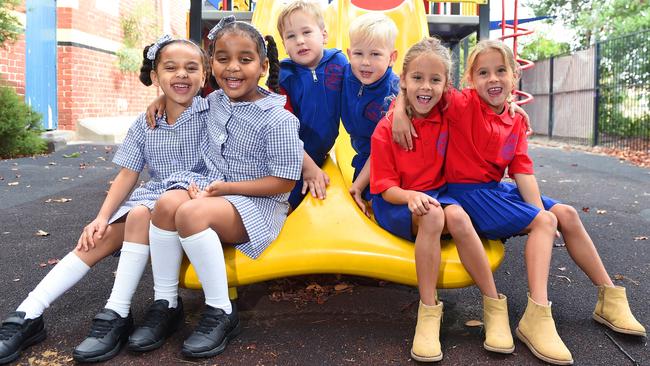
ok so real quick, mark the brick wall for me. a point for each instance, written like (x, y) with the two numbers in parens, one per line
(89, 81)
(12, 61)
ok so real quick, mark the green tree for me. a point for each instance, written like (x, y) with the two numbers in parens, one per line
(10, 27)
(596, 19)
(542, 47)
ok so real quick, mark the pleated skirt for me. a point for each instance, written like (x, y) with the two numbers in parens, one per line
(497, 209)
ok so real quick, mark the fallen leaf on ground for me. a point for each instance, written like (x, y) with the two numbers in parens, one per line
(52, 163)
(16, 279)
(13, 183)
(73, 155)
(58, 200)
(637, 238)
(6, 232)
(620, 277)
(341, 287)
(251, 346)
(585, 209)
(65, 178)
(562, 268)
(473, 323)
(42, 265)
(601, 212)
(42, 233)
(52, 261)
(558, 244)
(564, 277)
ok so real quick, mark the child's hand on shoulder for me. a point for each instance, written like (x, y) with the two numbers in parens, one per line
(419, 203)
(155, 110)
(86, 240)
(514, 109)
(403, 130)
(355, 192)
(316, 181)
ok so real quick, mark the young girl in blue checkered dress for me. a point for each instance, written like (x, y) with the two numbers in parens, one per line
(179, 67)
(254, 141)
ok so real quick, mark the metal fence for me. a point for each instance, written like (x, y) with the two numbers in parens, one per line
(599, 96)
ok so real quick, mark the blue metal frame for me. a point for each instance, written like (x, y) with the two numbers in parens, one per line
(40, 60)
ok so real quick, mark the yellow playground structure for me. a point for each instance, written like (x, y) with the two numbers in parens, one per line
(333, 235)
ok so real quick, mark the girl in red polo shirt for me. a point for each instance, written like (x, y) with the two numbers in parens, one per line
(484, 141)
(408, 202)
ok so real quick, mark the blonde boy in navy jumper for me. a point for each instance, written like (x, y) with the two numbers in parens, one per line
(368, 84)
(311, 78)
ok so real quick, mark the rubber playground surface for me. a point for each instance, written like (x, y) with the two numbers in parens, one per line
(329, 319)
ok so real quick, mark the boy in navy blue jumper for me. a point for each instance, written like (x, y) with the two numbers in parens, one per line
(368, 84)
(312, 79)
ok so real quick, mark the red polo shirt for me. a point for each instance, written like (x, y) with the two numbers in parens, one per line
(419, 169)
(482, 144)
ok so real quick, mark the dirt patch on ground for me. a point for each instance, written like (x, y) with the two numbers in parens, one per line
(639, 158)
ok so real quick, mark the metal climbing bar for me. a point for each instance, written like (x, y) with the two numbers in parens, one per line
(516, 33)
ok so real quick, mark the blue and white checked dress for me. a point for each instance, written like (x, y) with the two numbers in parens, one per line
(253, 140)
(165, 150)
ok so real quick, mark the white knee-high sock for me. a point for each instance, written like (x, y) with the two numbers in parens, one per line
(166, 258)
(206, 254)
(64, 275)
(133, 261)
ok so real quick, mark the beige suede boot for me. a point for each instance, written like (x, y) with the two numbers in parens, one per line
(498, 337)
(613, 311)
(426, 342)
(537, 330)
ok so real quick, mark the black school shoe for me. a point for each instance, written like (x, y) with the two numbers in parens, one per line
(108, 333)
(215, 330)
(160, 322)
(18, 333)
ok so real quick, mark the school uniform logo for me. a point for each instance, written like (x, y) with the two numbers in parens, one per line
(333, 77)
(508, 150)
(441, 145)
(373, 111)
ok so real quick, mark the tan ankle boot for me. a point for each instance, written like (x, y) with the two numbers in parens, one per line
(537, 330)
(613, 311)
(426, 342)
(498, 337)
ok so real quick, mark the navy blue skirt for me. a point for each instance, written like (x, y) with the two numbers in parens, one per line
(497, 209)
(398, 219)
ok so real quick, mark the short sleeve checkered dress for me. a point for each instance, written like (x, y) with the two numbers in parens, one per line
(252, 140)
(164, 150)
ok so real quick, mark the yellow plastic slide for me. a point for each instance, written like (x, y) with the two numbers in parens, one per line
(333, 235)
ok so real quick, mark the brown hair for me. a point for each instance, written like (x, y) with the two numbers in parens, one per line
(428, 45)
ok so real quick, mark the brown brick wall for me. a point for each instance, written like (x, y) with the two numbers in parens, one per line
(89, 81)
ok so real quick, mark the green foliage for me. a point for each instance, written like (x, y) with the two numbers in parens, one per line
(10, 27)
(596, 19)
(542, 48)
(129, 59)
(20, 126)
(137, 27)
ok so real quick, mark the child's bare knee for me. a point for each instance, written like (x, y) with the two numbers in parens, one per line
(138, 215)
(545, 220)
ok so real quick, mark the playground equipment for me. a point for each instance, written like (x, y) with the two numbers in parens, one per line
(333, 235)
(517, 32)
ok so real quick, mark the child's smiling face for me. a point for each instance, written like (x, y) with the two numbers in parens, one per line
(237, 68)
(369, 61)
(425, 81)
(492, 79)
(179, 72)
(303, 39)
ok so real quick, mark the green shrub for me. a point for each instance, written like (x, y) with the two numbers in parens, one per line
(20, 126)
(129, 59)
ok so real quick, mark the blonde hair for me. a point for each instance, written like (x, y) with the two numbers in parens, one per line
(491, 45)
(428, 45)
(309, 7)
(374, 29)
